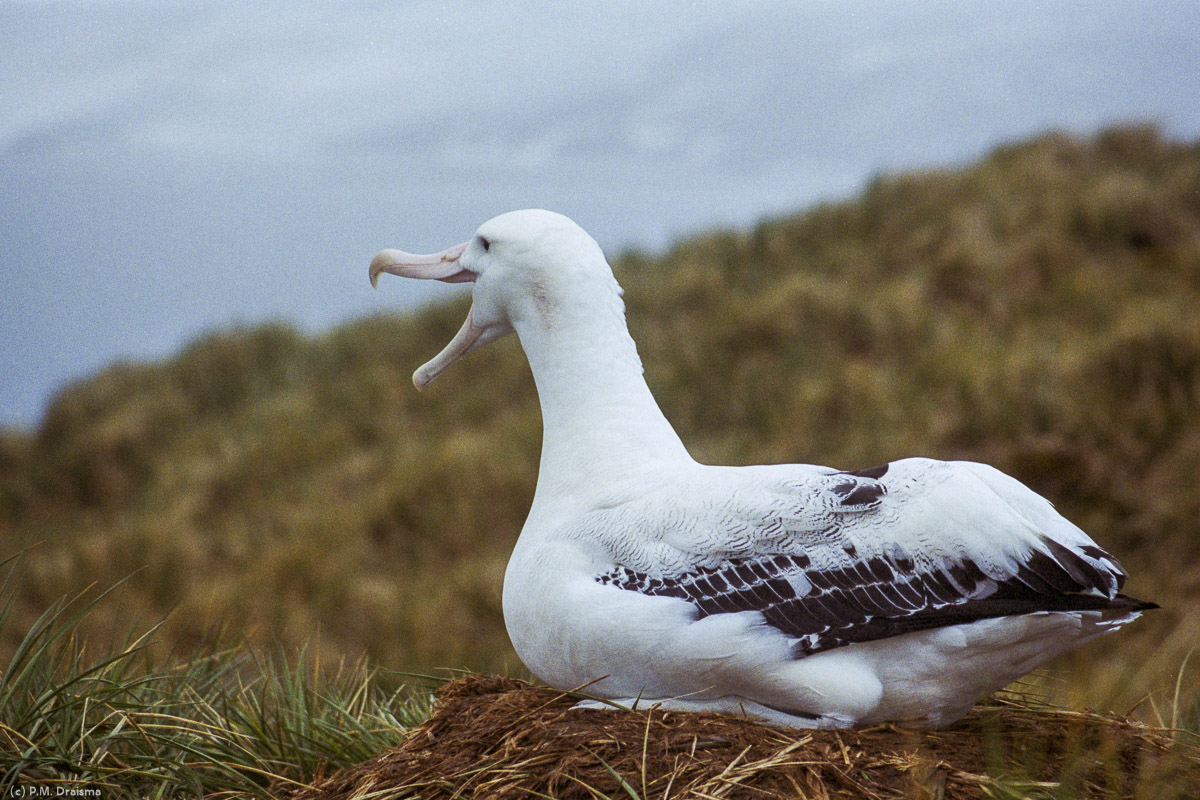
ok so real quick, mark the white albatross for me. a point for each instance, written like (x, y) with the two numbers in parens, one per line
(801, 595)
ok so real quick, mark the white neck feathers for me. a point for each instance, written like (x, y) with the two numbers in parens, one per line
(601, 424)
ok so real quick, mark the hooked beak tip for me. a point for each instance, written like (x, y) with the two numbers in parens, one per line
(378, 264)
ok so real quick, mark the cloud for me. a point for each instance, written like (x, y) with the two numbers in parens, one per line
(215, 162)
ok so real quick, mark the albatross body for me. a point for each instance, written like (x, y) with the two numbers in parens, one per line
(798, 594)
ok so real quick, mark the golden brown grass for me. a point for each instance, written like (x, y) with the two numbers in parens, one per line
(501, 738)
(1036, 311)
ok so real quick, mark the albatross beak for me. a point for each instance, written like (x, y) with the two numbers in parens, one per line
(441, 266)
(468, 339)
(444, 267)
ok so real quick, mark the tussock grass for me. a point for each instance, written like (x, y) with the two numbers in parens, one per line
(1035, 311)
(220, 722)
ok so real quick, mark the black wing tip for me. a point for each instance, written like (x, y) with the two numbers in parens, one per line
(875, 473)
(1077, 601)
(1127, 603)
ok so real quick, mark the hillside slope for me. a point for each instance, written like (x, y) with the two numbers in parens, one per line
(1036, 311)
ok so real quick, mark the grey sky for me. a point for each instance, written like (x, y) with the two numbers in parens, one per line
(170, 168)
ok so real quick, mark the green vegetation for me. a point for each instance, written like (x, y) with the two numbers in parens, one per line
(1036, 311)
(220, 722)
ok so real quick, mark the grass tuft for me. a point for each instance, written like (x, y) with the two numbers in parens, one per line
(220, 722)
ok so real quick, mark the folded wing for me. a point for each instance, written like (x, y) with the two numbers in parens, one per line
(831, 559)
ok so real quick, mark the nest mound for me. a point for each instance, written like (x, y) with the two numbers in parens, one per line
(502, 738)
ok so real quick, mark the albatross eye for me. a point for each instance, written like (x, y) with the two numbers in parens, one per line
(485, 243)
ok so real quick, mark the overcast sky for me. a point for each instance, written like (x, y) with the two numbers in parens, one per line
(172, 168)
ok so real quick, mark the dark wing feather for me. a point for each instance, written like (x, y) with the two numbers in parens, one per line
(884, 596)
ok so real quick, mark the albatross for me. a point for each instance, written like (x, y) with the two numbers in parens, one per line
(801, 595)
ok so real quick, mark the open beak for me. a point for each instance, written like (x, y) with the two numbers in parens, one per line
(468, 339)
(444, 267)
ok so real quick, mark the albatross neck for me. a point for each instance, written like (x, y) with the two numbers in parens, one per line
(600, 422)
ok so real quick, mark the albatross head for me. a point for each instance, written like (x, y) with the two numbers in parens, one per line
(529, 267)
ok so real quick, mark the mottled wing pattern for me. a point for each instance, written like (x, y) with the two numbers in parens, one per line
(821, 607)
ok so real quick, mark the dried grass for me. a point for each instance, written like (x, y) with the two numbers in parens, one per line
(498, 737)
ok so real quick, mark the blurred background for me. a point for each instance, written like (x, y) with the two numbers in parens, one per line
(173, 168)
(849, 232)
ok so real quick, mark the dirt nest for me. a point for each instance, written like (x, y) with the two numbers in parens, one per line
(502, 738)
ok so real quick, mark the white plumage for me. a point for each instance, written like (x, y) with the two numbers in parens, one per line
(802, 595)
